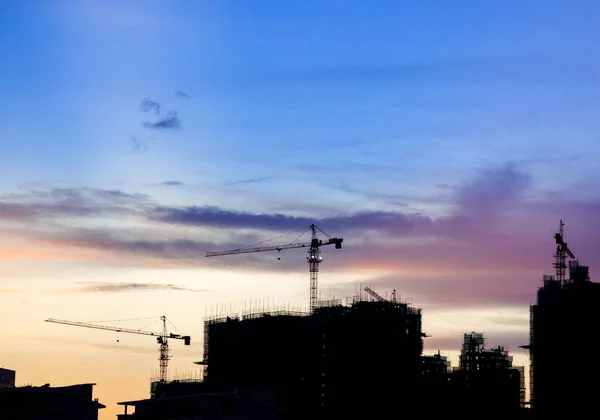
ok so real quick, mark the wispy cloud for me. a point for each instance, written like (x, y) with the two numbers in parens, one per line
(217, 217)
(104, 287)
(491, 248)
(168, 122)
(182, 94)
(531, 69)
(150, 105)
(172, 183)
(248, 181)
(137, 144)
(63, 202)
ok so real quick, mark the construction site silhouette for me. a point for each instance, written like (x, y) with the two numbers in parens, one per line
(359, 358)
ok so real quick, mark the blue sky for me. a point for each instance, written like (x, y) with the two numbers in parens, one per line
(444, 140)
(276, 90)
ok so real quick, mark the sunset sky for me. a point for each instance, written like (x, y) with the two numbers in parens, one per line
(443, 141)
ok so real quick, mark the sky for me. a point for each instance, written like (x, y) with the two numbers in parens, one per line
(442, 140)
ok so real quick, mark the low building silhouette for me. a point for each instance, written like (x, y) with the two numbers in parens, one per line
(7, 378)
(260, 403)
(74, 402)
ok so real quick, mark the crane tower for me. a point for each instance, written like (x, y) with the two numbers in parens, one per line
(162, 338)
(313, 258)
(560, 257)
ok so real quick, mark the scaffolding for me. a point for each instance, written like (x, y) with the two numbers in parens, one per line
(475, 357)
(321, 359)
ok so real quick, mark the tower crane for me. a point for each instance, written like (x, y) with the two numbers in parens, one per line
(562, 250)
(313, 259)
(162, 338)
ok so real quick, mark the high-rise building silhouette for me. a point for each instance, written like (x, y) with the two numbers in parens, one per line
(350, 361)
(565, 316)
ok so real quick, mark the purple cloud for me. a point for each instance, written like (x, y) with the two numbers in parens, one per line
(490, 249)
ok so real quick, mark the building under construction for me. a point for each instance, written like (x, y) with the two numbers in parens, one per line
(484, 382)
(487, 378)
(359, 359)
(567, 311)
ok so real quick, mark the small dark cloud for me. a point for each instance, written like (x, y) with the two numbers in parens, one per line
(150, 105)
(168, 122)
(182, 94)
(172, 183)
(137, 144)
(248, 181)
(102, 287)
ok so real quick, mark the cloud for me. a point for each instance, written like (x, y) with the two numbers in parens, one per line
(68, 204)
(490, 248)
(150, 105)
(523, 70)
(172, 183)
(75, 202)
(168, 122)
(483, 199)
(103, 287)
(248, 181)
(137, 144)
(123, 243)
(182, 94)
(216, 217)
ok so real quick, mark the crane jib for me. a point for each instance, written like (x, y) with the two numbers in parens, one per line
(314, 259)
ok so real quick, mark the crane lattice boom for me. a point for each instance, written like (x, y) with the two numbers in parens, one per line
(162, 338)
(313, 259)
(375, 294)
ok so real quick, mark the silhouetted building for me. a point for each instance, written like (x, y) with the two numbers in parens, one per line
(72, 402)
(360, 360)
(435, 388)
(7, 378)
(250, 404)
(562, 377)
(484, 382)
(435, 365)
(487, 380)
(177, 388)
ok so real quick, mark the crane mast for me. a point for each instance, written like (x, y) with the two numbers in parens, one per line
(162, 339)
(313, 258)
(560, 257)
